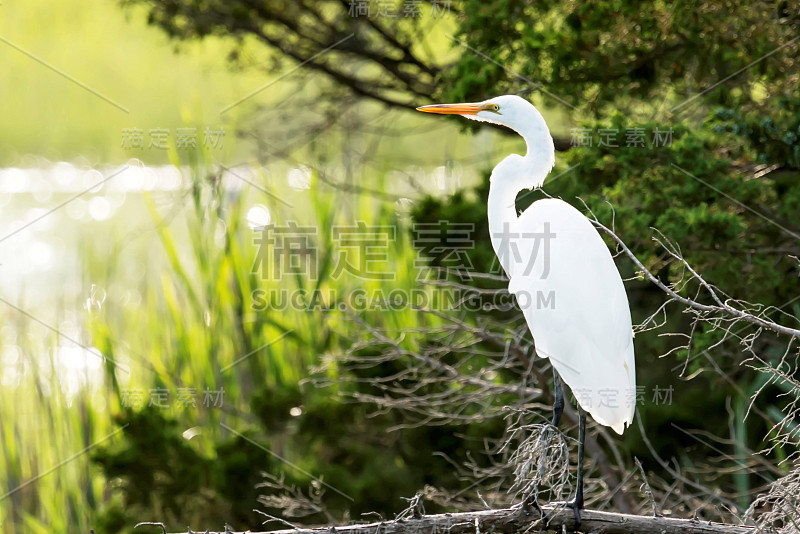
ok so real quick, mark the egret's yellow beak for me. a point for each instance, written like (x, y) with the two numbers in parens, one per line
(453, 109)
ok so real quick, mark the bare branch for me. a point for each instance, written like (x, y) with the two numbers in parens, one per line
(516, 519)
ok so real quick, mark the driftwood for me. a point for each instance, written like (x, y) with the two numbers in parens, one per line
(517, 520)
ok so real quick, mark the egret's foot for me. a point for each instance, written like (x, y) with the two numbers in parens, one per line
(577, 506)
(529, 505)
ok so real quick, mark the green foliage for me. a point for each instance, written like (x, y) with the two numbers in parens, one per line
(159, 475)
(607, 55)
(393, 65)
(774, 137)
(155, 465)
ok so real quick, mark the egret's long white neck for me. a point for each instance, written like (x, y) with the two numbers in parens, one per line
(514, 174)
(502, 210)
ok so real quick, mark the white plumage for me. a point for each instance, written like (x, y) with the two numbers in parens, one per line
(575, 305)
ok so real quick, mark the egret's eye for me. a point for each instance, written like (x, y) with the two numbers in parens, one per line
(496, 107)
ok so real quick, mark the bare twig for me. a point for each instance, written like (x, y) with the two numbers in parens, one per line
(648, 491)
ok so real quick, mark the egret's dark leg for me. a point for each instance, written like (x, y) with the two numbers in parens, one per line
(558, 395)
(577, 504)
(558, 409)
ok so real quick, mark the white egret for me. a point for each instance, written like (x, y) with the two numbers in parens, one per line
(562, 275)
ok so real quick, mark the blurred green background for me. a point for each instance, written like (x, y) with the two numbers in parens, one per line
(140, 380)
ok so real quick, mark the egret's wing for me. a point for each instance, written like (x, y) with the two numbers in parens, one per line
(575, 304)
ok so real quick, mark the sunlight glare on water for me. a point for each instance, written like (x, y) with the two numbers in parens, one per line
(258, 216)
(40, 255)
(77, 367)
(97, 296)
(99, 208)
(299, 178)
